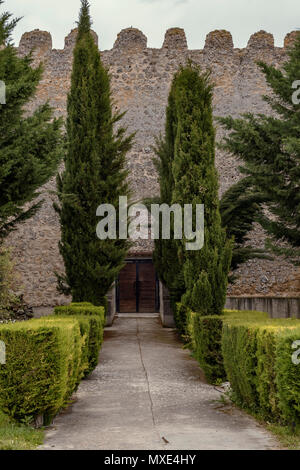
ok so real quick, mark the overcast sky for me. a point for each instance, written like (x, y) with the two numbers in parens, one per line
(154, 17)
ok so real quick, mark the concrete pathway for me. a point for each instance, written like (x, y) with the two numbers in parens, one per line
(148, 393)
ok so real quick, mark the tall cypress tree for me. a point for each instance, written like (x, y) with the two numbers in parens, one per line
(196, 182)
(165, 254)
(269, 148)
(239, 208)
(30, 146)
(94, 174)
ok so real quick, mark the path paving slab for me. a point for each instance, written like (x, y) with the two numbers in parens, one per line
(148, 393)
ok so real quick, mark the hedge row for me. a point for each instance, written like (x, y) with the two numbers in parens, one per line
(46, 359)
(96, 320)
(258, 362)
(252, 352)
(205, 335)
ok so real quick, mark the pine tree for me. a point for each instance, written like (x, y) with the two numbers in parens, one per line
(240, 208)
(269, 147)
(94, 174)
(196, 182)
(30, 146)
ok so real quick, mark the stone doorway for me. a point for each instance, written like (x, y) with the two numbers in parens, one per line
(137, 289)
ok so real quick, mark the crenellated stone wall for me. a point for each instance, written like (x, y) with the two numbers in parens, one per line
(141, 79)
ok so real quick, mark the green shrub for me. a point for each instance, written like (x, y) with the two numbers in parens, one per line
(81, 309)
(258, 362)
(288, 376)
(42, 369)
(95, 342)
(180, 317)
(84, 326)
(254, 353)
(240, 361)
(204, 335)
(6, 277)
(190, 329)
(95, 316)
(266, 383)
(207, 341)
(81, 304)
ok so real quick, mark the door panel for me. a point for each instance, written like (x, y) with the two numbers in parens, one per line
(127, 289)
(146, 287)
(137, 290)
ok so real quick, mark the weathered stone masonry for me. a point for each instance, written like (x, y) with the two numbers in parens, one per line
(141, 80)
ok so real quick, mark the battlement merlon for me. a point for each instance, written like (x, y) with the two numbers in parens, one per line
(70, 40)
(290, 38)
(132, 40)
(36, 41)
(261, 40)
(219, 40)
(175, 38)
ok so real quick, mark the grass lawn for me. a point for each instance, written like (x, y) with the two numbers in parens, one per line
(288, 438)
(15, 436)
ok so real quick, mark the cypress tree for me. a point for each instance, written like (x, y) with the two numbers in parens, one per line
(30, 146)
(269, 148)
(196, 182)
(165, 254)
(94, 174)
(239, 209)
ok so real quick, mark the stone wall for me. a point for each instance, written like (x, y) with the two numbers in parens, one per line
(141, 79)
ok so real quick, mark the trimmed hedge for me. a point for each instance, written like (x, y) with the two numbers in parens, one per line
(42, 367)
(81, 309)
(81, 304)
(208, 346)
(84, 326)
(180, 317)
(96, 319)
(259, 366)
(204, 335)
(254, 353)
(46, 359)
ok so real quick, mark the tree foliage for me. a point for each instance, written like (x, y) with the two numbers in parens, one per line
(269, 148)
(165, 255)
(94, 174)
(189, 151)
(240, 208)
(30, 145)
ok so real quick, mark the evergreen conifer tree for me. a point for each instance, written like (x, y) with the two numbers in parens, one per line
(187, 175)
(196, 182)
(240, 208)
(165, 254)
(269, 147)
(94, 174)
(30, 146)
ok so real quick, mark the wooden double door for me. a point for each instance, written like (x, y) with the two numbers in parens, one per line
(138, 288)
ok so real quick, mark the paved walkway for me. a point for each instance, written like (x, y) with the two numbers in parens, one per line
(148, 393)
